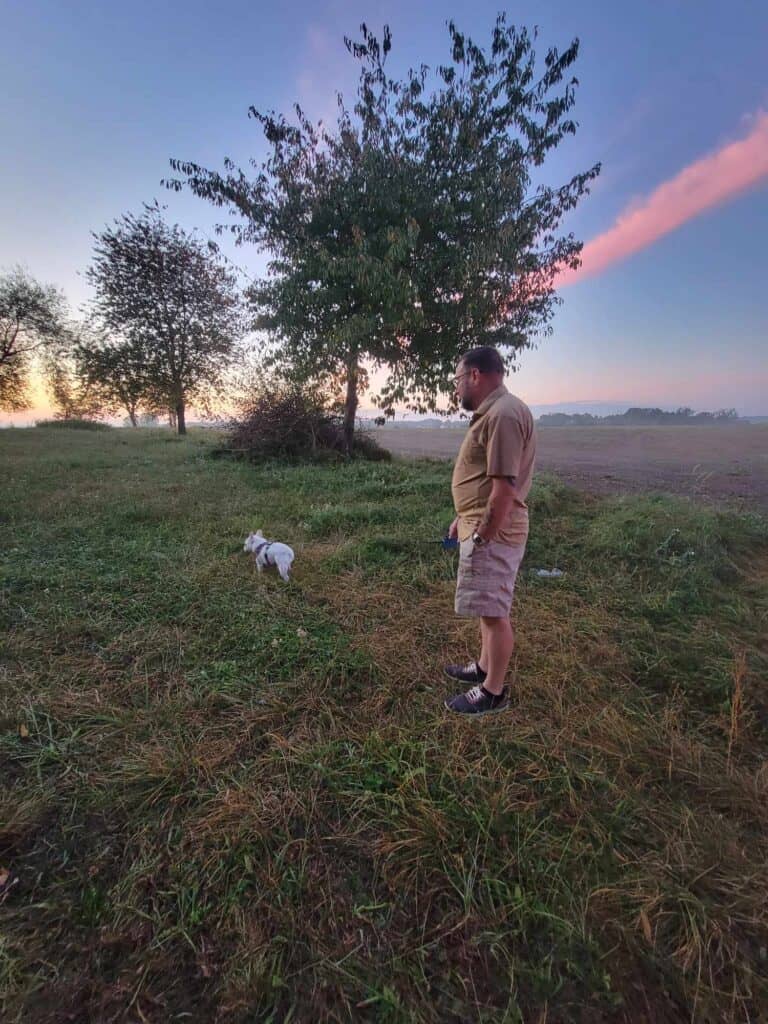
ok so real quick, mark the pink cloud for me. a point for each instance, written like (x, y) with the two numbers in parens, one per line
(698, 187)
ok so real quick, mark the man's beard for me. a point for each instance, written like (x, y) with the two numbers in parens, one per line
(467, 404)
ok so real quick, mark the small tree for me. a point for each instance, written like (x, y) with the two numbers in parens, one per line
(31, 320)
(73, 396)
(172, 296)
(119, 370)
(412, 231)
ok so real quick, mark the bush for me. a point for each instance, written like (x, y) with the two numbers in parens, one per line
(367, 447)
(73, 424)
(285, 421)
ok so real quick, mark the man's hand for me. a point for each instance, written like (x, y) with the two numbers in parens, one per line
(501, 500)
(453, 529)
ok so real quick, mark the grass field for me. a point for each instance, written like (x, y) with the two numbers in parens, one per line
(227, 799)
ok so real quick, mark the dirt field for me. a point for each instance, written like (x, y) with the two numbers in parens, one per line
(717, 463)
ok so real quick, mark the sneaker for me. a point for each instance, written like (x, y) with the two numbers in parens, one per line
(471, 673)
(478, 701)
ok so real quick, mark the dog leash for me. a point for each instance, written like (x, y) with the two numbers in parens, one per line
(446, 543)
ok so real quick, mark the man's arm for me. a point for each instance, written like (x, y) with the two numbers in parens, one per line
(500, 502)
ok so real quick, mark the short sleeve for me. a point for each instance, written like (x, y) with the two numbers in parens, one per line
(504, 446)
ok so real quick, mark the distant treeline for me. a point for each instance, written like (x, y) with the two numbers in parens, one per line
(638, 418)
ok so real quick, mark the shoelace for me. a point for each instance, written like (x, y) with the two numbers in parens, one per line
(474, 695)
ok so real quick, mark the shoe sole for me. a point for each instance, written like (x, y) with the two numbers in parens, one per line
(478, 714)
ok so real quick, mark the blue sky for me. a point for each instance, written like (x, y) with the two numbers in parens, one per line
(97, 98)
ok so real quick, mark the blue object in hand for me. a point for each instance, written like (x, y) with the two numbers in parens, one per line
(449, 543)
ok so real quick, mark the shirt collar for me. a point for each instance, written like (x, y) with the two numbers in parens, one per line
(487, 402)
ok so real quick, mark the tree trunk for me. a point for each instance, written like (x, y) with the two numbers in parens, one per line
(350, 405)
(132, 415)
(180, 416)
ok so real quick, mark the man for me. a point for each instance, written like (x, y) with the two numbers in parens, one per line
(491, 480)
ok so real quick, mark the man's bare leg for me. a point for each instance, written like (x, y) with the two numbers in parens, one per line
(498, 642)
(482, 661)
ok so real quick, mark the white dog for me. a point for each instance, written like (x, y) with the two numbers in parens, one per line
(270, 552)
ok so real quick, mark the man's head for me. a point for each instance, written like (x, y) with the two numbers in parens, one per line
(479, 372)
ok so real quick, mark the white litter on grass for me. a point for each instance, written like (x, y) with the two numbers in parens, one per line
(663, 551)
(663, 548)
(549, 573)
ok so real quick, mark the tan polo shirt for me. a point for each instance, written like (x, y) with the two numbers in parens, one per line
(500, 441)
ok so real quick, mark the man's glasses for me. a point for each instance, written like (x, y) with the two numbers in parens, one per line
(461, 376)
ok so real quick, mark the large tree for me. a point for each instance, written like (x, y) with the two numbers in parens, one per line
(168, 293)
(414, 230)
(31, 321)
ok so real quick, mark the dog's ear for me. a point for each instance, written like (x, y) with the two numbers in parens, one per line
(258, 534)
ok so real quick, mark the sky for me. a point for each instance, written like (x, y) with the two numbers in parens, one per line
(671, 305)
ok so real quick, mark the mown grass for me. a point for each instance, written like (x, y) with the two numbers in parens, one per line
(224, 798)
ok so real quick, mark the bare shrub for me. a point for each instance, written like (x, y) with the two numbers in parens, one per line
(286, 421)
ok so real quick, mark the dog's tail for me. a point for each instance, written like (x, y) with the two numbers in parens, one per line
(283, 563)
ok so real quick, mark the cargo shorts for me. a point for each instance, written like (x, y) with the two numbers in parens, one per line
(486, 578)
